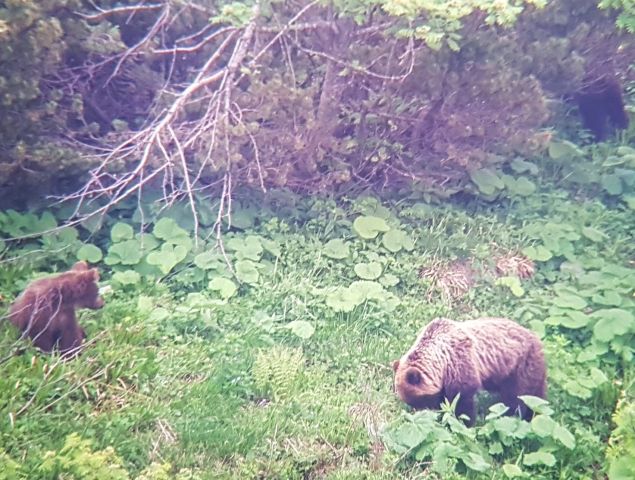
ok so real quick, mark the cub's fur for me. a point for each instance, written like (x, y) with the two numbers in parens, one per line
(450, 358)
(45, 311)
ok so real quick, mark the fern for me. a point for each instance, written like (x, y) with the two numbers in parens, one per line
(626, 17)
(275, 371)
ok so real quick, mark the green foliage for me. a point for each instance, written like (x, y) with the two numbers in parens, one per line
(277, 370)
(77, 459)
(621, 450)
(451, 446)
(270, 357)
(626, 17)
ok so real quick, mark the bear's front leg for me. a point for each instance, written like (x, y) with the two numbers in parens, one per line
(467, 406)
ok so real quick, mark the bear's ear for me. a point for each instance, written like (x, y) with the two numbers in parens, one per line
(94, 274)
(91, 275)
(413, 376)
(80, 266)
(395, 365)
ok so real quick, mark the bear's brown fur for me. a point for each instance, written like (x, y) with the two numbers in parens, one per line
(45, 311)
(601, 106)
(450, 358)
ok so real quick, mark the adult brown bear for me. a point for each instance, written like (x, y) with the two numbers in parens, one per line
(601, 106)
(451, 358)
(45, 310)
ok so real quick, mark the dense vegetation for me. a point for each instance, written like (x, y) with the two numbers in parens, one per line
(272, 359)
(288, 94)
(279, 196)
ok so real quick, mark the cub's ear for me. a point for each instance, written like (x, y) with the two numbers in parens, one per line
(94, 274)
(91, 275)
(80, 266)
(395, 365)
(413, 376)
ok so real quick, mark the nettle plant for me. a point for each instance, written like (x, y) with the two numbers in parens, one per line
(449, 446)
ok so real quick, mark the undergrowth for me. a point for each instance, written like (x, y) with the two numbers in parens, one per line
(271, 359)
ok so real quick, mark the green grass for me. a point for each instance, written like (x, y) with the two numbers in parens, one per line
(182, 391)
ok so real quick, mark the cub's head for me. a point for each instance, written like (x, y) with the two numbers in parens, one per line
(85, 291)
(418, 387)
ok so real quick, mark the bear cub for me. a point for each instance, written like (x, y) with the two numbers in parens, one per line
(450, 358)
(45, 310)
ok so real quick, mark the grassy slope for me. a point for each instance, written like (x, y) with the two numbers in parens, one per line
(182, 390)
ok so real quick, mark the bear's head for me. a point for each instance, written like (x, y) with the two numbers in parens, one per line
(82, 287)
(418, 387)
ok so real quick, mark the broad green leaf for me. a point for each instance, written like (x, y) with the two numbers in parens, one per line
(538, 253)
(519, 165)
(575, 319)
(147, 241)
(506, 425)
(475, 462)
(168, 257)
(543, 425)
(539, 457)
(497, 410)
(410, 435)
(127, 277)
(121, 231)
(368, 290)
(564, 149)
(301, 328)
(336, 249)
(90, 253)
(521, 186)
(395, 240)
(594, 234)
(487, 180)
(209, 260)
(612, 322)
(574, 302)
(609, 298)
(612, 184)
(248, 247)
(369, 227)
(368, 271)
(513, 283)
(512, 471)
(271, 246)
(389, 280)
(613, 161)
(46, 222)
(573, 387)
(344, 299)
(127, 252)
(597, 376)
(168, 230)
(564, 436)
(537, 404)
(495, 448)
(624, 150)
(224, 286)
(246, 271)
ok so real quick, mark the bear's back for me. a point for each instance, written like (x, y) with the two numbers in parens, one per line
(500, 345)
